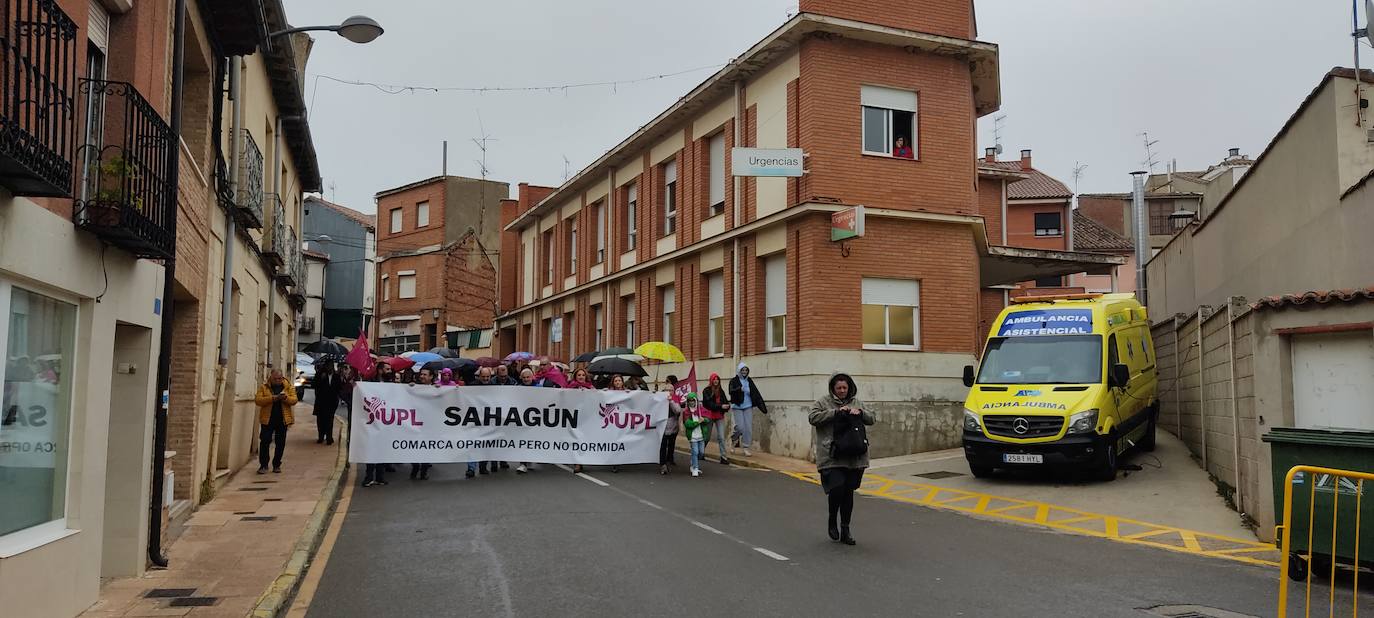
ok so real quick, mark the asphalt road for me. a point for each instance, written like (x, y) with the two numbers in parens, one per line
(551, 543)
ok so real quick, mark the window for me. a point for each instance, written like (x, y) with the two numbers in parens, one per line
(715, 313)
(38, 337)
(1048, 224)
(1159, 217)
(597, 325)
(888, 115)
(669, 306)
(572, 246)
(717, 175)
(548, 333)
(422, 214)
(548, 257)
(891, 314)
(1049, 282)
(386, 288)
(669, 198)
(630, 322)
(631, 216)
(775, 302)
(395, 220)
(599, 211)
(405, 284)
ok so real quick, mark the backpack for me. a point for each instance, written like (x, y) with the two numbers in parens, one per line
(850, 438)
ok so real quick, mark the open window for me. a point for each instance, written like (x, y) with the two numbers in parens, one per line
(889, 122)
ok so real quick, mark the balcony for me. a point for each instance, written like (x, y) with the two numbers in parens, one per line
(249, 201)
(37, 110)
(290, 273)
(125, 195)
(307, 325)
(274, 245)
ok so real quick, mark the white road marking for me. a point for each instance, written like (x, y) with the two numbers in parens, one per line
(771, 554)
(586, 476)
(705, 527)
(650, 504)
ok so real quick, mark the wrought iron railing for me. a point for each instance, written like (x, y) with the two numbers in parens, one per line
(250, 196)
(293, 272)
(274, 245)
(125, 195)
(224, 188)
(38, 52)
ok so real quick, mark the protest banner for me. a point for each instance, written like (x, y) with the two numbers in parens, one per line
(398, 423)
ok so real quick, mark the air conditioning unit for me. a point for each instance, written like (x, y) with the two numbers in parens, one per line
(307, 325)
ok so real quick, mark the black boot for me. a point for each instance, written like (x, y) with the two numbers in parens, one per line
(845, 537)
(834, 530)
(414, 472)
(424, 473)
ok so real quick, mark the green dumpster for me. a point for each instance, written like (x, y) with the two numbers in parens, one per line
(1324, 505)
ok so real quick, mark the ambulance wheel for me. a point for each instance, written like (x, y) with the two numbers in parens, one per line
(1147, 443)
(1297, 567)
(980, 471)
(1105, 470)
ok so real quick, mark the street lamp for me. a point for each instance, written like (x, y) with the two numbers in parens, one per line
(357, 28)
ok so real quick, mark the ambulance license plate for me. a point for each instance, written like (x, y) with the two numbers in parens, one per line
(1022, 458)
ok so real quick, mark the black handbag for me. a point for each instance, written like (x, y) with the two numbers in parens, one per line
(850, 438)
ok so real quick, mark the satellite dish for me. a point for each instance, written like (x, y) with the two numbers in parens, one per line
(999, 146)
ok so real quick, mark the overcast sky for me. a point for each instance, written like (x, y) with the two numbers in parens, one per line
(1081, 80)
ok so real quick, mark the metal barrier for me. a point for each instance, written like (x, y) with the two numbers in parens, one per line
(1301, 566)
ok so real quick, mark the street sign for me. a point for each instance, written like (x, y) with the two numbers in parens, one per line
(847, 224)
(774, 162)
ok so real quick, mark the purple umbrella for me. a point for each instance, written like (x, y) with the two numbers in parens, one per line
(519, 357)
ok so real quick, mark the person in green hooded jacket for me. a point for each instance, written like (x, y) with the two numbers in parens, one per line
(698, 427)
(840, 475)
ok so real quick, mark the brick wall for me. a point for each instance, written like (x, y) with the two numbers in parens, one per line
(990, 304)
(944, 176)
(948, 17)
(1109, 211)
(410, 237)
(1021, 226)
(990, 206)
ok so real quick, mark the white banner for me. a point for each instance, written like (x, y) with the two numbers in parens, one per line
(398, 423)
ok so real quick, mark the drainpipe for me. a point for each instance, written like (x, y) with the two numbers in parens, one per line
(235, 140)
(734, 253)
(272, 287)
(1235, 407)
(164, 354)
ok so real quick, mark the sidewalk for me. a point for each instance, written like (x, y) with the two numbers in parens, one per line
(235, 547)
(759, 459)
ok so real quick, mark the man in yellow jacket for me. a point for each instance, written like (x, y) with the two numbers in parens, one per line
(274, 399)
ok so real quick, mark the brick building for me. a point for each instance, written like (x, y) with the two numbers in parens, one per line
(1037, 215)
(656, 241)
(437, 241)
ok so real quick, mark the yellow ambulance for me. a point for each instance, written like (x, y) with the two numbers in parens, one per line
(1067, 380)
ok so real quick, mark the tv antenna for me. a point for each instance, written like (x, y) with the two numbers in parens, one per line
(483, 171)
(997, 125)
(567, 168)
(1356, 36)
(1149, 163)
(1077, 174)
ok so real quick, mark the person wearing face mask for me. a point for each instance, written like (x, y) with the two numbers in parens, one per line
(275, 400)
(717, 404)
(744, 399)
(698, 426)
(840, 422)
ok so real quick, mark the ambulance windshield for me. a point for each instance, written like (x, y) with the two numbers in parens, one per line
(1053, 359)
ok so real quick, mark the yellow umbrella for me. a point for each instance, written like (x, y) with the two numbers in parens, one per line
(660, 351)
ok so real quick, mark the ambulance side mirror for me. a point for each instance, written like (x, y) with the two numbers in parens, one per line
(968, 375)
(1120, 376)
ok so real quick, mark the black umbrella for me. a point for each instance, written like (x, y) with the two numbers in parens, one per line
(444, 352)
(456, 364)
(617, 366)
(586, 357)
(614, 351)
(326, 346)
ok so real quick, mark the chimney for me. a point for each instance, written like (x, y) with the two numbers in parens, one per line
(1026, 159)
(990, 154)
(1233, 153)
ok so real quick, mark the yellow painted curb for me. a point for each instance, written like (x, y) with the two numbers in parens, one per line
(277, 599)
(1110, 527)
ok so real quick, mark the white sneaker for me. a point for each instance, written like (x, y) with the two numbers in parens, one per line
(748, 453)
(522, 469)
(696, 471)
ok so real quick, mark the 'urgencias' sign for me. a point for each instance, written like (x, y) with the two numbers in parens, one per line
(766, 161)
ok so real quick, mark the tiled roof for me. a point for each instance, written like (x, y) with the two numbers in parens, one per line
(1089, 235)
(315, 254)
(1039, 186)
(1196, 177)
(1319, 297)
(369, 221)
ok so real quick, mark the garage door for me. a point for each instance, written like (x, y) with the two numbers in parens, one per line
(1333, 380)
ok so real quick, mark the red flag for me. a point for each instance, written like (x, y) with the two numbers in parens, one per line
(685, 385)
(359, 358)
(556, 376)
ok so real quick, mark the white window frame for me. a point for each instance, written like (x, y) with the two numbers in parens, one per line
(1058, 232)
(401, 284)
(630, 323)
(397, 221)
(600, 212)
(598, 324)
(632, 216)
(670, 198)
(30, 538)
(422, 214)
(887, 304)
(775, 301)
(669, 295)
(716, 175)
(572, 248)
(547, 239)
(386, 288)
(889, 100)
(715, 314)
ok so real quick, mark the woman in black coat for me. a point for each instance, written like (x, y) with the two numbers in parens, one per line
(328, 389)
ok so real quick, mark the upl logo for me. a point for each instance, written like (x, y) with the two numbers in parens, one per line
(613, 415)
(377, 412)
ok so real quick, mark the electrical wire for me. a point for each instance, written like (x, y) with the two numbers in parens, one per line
(403, 88)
